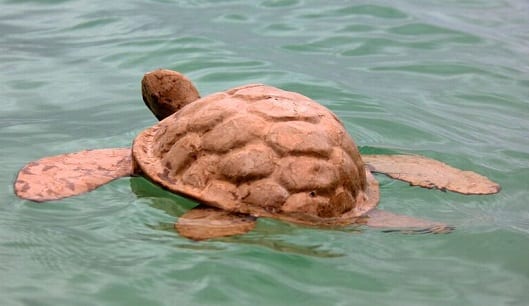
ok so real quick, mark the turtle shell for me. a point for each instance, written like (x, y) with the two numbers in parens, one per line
(262, 151)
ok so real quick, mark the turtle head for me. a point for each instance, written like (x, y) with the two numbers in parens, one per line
(166, 91)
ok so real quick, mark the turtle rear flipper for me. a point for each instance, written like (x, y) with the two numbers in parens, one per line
(66, 175)
(425, 172)
(203, 222)
(390, 222)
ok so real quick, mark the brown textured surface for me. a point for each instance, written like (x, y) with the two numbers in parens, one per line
(429, 173)
(166, 91)
(65, 175)
(262, 151)
(202, 223)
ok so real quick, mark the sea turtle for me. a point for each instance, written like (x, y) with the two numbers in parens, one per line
(251, 151)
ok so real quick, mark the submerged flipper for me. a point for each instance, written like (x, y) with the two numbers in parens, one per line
(66, 175)
(400, 223)
(425, 172)
(202, 223)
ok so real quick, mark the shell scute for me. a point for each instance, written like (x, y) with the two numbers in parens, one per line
(211, 114)
(265, 193)
(293, 137)
(233, 133)
(280, 108)
(308, 173)
(181, 153)
(248, 163)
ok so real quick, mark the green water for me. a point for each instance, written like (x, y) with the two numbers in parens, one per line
(446, 79)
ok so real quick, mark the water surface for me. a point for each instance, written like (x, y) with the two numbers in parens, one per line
(446, 79)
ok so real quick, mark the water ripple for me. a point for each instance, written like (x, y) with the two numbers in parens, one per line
(444, 79)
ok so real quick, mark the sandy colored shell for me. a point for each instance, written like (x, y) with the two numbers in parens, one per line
(258, 150)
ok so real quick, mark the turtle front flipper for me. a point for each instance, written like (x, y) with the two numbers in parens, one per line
(400, 223)
(203, 222)
(66, 175)
(425, 172)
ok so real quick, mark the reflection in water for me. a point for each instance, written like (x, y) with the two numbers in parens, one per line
(267, 234)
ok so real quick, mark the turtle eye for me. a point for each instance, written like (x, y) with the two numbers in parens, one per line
(312, 194)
